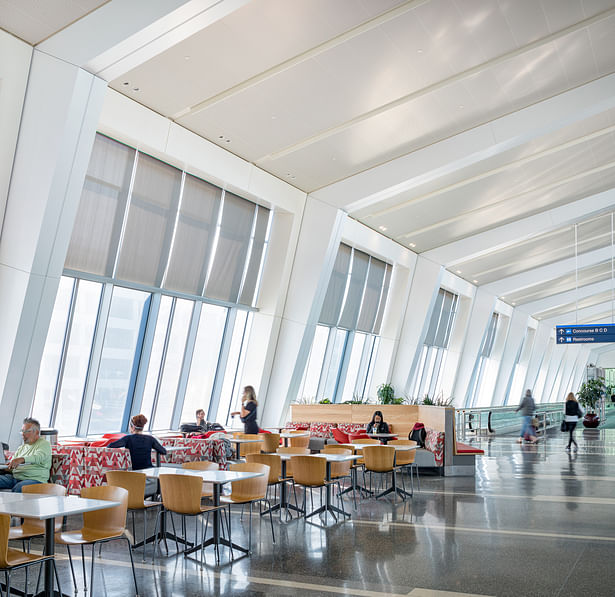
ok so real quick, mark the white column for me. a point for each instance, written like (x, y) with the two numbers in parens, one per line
(317, 246)
(56, 133)
(537, 359)
(423, 291)
(514, 339)
(480, 315)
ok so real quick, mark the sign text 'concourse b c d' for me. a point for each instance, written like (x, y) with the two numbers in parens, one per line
(575, 334)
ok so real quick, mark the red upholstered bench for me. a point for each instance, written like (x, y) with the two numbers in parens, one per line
(466, 449)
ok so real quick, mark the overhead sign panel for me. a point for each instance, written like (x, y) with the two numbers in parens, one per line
(584, 334)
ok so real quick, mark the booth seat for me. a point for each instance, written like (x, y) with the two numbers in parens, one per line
(194, 449)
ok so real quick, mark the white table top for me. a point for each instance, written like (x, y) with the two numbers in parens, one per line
(328, 456)
(216, 477)
(242, 440)
(50, 506)
(382, 434)
(288, 434)
(398, 448)
(9, 496)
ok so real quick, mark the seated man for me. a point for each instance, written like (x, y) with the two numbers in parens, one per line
(31, 462)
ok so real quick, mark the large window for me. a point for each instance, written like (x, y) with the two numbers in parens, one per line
(346, 340)
(152, 314)
(482, 383)
(428, 378)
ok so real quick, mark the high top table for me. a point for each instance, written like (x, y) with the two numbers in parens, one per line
(217, 479)
(241, 440)
(288, 435)
(47, 508)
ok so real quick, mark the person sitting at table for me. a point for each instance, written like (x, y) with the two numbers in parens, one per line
(200, 418)
(377, 425)
(31, 462)
(139, 445)
(247, 413)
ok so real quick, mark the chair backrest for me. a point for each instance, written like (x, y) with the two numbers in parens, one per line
(341, 437)
(181, 493)
(253, 447)
(337, 448)
(201, 465)
(250, 489)
(309, 470)
(366, 440)
(293, 450)
(273, 461)
(271, 442)
(379, 458)
(110, 521)
(403, 457)
(299, 442)
(5, 525)
(131, 481)
(33, 526)
(340, 469)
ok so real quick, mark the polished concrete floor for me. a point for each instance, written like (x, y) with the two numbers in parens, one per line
(534, 521)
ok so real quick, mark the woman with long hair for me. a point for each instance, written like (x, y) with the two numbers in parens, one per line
(572, 413)
(248, 410)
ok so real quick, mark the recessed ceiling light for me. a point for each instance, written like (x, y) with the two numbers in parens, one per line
(475, 281)
(419, 51)
(220, 136)
(383, 228)
(136, 89)
(513, 304)
(186, 57)
(412, 245)
(126, 83)
(228, 140)
(457, 271)
(274, 117)
(461, 106)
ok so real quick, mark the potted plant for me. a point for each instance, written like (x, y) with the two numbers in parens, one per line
(386, 394)
(589, 395)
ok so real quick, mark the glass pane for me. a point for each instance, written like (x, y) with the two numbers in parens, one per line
(77, 357)
(117, 370)
(204, 362)
(155, 361)
(231, 392)
(333, 366)
(52, 354)
(193, 237)
(151, 219)
(353, 367)
(98, 224)
(229, 262)
(314, 368)
(174, 358)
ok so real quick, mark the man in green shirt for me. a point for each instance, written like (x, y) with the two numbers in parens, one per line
(31, 462)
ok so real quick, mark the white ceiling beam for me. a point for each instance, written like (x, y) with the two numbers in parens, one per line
(120, 36)
(567, 297)
(451, 155)
(538, 275)
(585, 316)
(510, 234)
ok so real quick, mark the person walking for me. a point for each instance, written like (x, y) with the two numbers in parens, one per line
(527, 408)
(572, 413)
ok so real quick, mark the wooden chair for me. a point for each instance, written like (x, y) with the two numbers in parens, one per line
(99, 526)
(181, 494)
(370, 442)
(13, 559)
(294, 452)
(299, 442)
(271, 442)
(405, 460)
(134, 483)
(310, 471)
(251, 448)
(274, 462)
(379, 459)
(203, 465)
(32, 527)
(249, 491)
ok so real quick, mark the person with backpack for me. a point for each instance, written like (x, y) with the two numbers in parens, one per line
(572, 413)
(527, 408)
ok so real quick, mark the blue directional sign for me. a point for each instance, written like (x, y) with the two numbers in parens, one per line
(585, 334)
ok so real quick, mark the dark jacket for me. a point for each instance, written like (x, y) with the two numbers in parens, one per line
(140, 447)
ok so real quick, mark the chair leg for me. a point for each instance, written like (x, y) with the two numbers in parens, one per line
(174, 531)
(132, 564)
(7, 577)
(249, 529)
(26, 589)
(55, 571)
(72, 568)
(92, 569)
(271, 520)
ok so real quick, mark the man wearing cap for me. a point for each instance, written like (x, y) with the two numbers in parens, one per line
(31, 462)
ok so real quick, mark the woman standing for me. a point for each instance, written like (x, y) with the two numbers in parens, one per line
(572, 413)
(248, 410)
